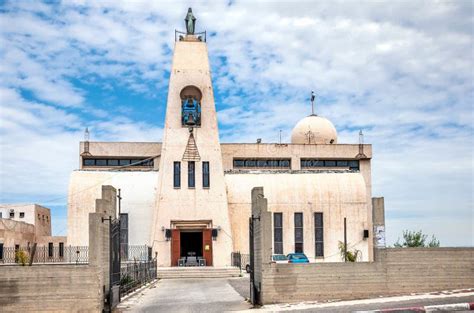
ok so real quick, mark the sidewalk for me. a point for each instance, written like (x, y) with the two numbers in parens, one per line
(416, 302)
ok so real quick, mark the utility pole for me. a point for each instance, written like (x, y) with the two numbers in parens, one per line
(313, 96)
(119, 197)
(345, 240)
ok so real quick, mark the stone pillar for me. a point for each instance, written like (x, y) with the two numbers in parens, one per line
(99, 235)
(262, 230)
(378, 219)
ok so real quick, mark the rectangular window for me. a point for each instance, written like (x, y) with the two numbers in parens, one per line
(177, 175)
(354, 165)
(50, 249)
(1, 251)
(278, 233)
(342, 164)
(319, 234)
(124, 162)
(88, 162)
(329, 163)
(101, 162)
(205, 175)
(1, 215)
(22, 214)
(191, 174)
(12, 214)
(61, 249)
(299, 232)
(112, 162)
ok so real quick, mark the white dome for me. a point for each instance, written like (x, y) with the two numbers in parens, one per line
(314, 129)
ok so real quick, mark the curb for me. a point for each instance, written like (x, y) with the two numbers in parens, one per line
(468, 306)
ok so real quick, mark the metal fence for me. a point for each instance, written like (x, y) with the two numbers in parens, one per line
(134, 275)
(67, 254)
(45, 254)
(135, 253)
(240, 260)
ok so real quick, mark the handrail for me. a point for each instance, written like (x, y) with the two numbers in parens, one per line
(178, 35)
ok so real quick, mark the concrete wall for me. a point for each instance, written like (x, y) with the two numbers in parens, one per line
(16, 233)
(397, 271)
(50, 288)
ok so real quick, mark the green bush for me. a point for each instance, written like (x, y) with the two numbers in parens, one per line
(21, 257)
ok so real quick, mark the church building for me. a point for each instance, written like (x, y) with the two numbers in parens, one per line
(190, 195)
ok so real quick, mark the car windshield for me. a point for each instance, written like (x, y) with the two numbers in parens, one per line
(299, 256)
(279, 257)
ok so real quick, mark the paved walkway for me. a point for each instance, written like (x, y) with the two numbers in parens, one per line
(187, 295)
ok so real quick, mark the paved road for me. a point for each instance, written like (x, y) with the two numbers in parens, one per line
(188, 295)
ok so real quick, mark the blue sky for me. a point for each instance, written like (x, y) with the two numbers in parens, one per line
(401, 71)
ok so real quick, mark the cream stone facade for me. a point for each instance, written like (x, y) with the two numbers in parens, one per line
(190, 195)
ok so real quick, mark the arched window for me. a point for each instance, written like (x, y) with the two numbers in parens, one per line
(190, 106)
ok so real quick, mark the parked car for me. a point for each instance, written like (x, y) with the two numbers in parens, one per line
(297, 258)
(279, 258)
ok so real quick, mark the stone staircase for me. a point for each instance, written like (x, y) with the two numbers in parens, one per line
(197, 272)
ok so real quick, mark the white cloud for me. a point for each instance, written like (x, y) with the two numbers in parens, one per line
(403, 76)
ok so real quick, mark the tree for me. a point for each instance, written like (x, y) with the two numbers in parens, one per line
(349, 256)
(412, 239)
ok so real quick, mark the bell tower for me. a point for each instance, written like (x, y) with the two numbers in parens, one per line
(191, 193)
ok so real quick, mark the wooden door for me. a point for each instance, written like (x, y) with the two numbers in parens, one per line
(207, 246)
(175, 246)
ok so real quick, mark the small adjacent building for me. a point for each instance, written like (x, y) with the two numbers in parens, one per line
(190, 195)
(22, 225)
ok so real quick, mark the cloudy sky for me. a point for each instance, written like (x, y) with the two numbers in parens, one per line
(402, 71)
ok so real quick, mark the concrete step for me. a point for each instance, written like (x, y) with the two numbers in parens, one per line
(197, 272)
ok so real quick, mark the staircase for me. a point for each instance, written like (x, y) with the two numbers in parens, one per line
(197, 272)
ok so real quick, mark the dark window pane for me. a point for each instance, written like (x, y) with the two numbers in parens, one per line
(354, 165)
(285, 163)
(112, 162)
(299, 247)
(278, 248)
(277, 219)
(50, 249)
(298, 219)
(177, 174)
(61, 249)
(342, 163)
(261, 163)
(124, 162)
(329, 163)
(205, 175)
(319, 249)
(319, 234)
(101, 162)
(299, 234)
(318, 219)
(191, 174)
(278, 235)
(250, 163)
(239, 163)
(89, 162)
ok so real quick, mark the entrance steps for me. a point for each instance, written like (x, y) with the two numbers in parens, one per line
(197, 272)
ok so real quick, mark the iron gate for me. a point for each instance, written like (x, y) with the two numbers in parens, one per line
(254, 290)
(114, 291)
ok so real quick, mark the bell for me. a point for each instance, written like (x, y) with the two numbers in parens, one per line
(190, 120)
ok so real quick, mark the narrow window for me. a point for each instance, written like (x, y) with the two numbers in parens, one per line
(12, 214)
(319, 234)
(177, 175)
(299, 232)
(1, 215)
(61, 249)
(50, 249)
(22, 214)
(191, 174)
(278, 233)
(1, 251)
(205, 175)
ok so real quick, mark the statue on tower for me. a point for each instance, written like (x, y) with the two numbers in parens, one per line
(190, 22)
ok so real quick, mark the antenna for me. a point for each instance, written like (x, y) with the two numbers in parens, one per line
(313, 96)
(361, 154)
(280, 136)
(86, 134)
(86, 143)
